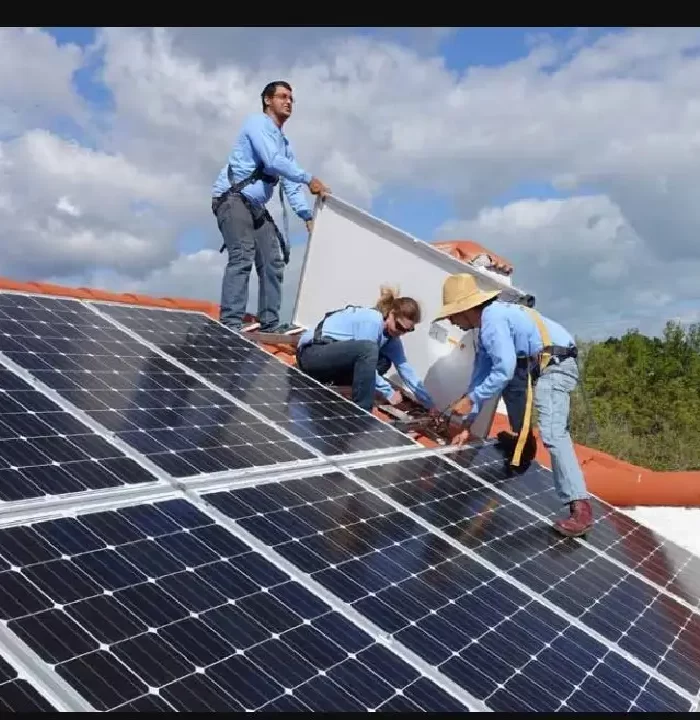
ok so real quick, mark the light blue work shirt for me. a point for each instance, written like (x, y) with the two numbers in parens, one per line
(507, 332)
(359, 323)
(261, 141)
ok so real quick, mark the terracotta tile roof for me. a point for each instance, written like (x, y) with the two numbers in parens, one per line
(613, 480)
(468, 250)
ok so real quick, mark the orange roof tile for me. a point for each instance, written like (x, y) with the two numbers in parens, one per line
(468, 250)
(613, 480)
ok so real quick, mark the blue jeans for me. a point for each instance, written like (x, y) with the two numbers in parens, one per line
(348, 362)
(553, 402)
(249, 236)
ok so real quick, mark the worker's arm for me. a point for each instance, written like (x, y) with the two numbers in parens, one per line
(482, 366)
(269, 147)
(295, 193)
(499, 351)
(394, 350)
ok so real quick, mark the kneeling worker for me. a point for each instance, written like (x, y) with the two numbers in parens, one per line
(357, 345)
(513, 336)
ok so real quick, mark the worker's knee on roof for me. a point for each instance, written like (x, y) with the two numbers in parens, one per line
(368, 350)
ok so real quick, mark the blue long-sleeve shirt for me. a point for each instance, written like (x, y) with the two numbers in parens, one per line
(507, 332)
(261, 141)
(358, 323)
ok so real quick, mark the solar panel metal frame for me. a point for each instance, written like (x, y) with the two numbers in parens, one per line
(32, 669)
(378, 453)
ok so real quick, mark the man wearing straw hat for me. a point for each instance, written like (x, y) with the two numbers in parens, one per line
(519, 348)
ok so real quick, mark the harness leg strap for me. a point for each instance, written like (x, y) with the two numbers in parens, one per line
(544, 359)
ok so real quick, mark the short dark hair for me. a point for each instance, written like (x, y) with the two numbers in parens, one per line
(271, 88)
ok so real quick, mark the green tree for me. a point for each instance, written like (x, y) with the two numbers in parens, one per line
(639, 398)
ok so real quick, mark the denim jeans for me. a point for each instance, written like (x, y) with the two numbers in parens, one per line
(349, 362)
(553, 402)
(249, 236)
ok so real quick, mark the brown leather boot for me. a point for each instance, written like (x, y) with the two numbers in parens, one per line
(579, 522)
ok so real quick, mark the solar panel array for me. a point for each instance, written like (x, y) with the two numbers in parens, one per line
(189, 524)
(282, 394)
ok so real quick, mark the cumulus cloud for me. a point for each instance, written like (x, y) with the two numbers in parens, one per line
(613, 123)
(36, 80)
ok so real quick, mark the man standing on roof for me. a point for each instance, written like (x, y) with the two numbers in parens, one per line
(260, 159)
(518, 346)
(357, 345)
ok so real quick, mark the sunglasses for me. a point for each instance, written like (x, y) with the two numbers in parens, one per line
(402, 328)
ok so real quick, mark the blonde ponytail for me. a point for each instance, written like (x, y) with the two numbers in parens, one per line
(404, 307)
(387, 299)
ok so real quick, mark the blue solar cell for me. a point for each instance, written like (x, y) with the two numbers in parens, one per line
(618, 535)
(649, 624)
(295, 402)
(46, 451)
(479, 630)
(17, 695)
(157, 608)
(162, 412)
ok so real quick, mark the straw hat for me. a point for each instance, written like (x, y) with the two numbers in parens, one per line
(461, 292)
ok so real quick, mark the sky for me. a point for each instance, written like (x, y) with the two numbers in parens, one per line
(573, 152)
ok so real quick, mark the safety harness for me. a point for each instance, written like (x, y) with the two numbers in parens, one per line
(319, 338)
(549, 351)
(236, 188)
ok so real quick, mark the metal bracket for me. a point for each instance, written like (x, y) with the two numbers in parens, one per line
(433, 428)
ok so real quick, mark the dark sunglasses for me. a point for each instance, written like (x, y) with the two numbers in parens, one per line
(402, 328)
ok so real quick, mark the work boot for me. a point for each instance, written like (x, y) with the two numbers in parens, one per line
(579, 522)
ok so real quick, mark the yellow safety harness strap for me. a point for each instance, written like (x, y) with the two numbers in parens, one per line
(544, 359)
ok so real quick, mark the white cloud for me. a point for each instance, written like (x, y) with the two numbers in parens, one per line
(584, 262)
(617, 120)
(36, 80)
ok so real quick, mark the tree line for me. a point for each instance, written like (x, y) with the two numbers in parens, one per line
(639, 398)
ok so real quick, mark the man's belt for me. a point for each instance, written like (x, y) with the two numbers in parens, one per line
(560, 352)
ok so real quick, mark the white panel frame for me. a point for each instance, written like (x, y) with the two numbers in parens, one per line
(350, 254)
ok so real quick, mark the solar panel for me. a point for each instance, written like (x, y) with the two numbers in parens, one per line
(498, 643)
(619, 536)
(638, 617)
(167, 415)
(156, 607)
(17, 695)
(46, 451)
(293, 401)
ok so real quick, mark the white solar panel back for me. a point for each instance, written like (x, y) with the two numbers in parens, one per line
(351, 254)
